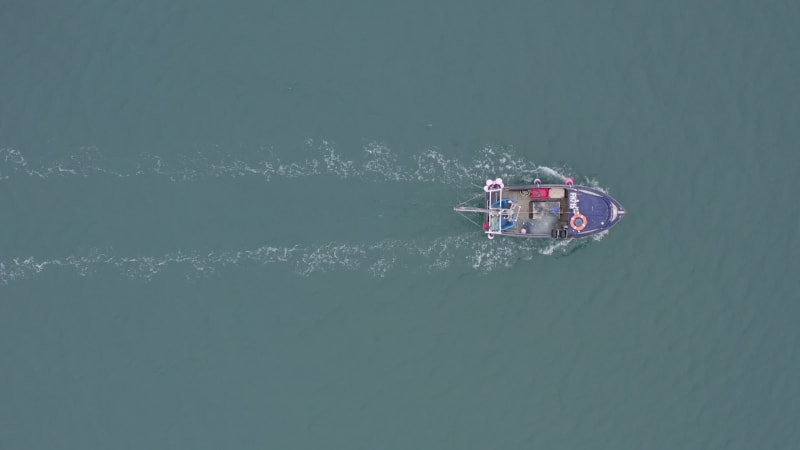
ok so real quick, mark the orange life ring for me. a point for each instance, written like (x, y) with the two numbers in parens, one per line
(580, 225)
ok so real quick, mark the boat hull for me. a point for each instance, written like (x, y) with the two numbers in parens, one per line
(550, 211)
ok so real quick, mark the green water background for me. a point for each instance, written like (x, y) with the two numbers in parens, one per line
(229, 225)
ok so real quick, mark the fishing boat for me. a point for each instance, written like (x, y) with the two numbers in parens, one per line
(557, 211)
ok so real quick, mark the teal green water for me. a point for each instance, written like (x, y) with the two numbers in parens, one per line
(230, 225)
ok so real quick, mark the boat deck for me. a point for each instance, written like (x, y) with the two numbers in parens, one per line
(538, 216)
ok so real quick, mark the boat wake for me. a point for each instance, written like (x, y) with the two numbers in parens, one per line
(375, 163)
(466, 252)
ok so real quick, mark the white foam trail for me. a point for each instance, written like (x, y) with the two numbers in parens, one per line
(468, 251)
(553, 172)
(376, 163)
(556, 247)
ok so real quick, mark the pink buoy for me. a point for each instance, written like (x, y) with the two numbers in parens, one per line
(493, 184)
(569, 181)
(485, 226)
